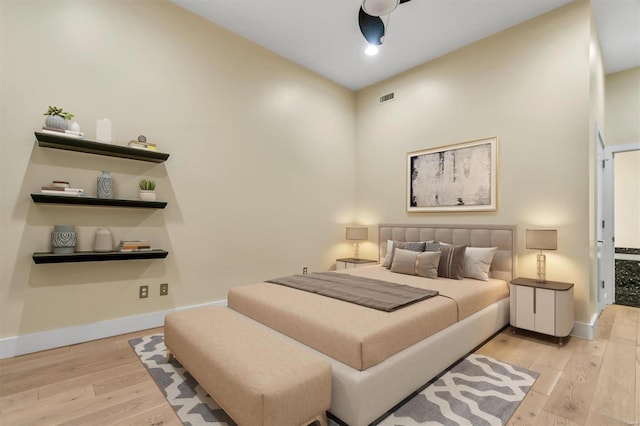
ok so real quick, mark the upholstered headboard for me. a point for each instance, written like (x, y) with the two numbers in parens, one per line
(501, 236)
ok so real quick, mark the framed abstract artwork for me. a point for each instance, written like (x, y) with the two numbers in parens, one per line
(453, 178)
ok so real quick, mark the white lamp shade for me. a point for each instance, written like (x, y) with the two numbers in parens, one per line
(542, 239)
(379, 7)
(357, 233)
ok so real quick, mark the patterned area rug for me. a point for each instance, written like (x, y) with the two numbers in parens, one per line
(191, 403)
(477, 391)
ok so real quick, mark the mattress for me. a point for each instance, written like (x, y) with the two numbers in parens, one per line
(357, 336)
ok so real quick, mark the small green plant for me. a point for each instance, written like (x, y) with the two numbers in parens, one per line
(53, 110)
(147, 184)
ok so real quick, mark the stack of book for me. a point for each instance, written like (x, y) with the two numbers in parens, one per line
(61, 132)
(143, 145)
(62, 188)
(126, 245)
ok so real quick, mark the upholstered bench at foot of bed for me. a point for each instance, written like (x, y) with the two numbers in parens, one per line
(256, 376)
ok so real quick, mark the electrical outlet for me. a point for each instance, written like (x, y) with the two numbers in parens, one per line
(164, 289)
(144, 291)
(304, 271)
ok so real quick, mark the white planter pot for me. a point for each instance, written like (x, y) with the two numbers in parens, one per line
(147, 195)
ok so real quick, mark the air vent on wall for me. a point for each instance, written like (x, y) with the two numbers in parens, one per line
(387, 98)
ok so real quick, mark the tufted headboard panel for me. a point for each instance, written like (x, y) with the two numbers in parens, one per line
(501, 236)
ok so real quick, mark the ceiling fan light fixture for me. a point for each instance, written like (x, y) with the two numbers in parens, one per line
(379, 7)
(371, 27)
(371, 50)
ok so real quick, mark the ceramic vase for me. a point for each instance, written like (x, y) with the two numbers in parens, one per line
(105, 185)
(103, 241)
(56, 122)
(63, 239)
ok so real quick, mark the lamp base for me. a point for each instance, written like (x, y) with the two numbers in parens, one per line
(541, 269)
(356, 251)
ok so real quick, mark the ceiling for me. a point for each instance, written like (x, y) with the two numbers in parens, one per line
(323, 35)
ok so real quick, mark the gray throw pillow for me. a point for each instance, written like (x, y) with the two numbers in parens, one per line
(451, 263)
(431, 246)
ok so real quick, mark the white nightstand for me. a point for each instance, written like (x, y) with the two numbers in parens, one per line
(542, 307)
(352, 262)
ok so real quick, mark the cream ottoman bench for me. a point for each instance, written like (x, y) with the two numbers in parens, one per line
(256, 376)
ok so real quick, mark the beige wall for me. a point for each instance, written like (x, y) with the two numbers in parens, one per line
(259, 183)
(627, 199)
(531, 87)
(623, 107)
(623, 127)
(264, 169)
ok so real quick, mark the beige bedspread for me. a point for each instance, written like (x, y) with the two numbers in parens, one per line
(357, 336)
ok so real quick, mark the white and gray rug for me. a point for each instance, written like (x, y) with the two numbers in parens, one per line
(477, 391)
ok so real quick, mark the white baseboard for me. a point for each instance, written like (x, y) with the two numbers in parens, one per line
(28, 343)
(585, 330)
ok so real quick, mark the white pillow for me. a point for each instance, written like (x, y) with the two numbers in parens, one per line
(477, 262)
(389, 256)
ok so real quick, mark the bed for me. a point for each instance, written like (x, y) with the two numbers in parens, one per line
(380, 358)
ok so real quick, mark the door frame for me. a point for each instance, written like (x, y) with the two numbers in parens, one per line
(608, 209)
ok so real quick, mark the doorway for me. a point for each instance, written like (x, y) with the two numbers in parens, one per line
(627, 228)
(619, 259)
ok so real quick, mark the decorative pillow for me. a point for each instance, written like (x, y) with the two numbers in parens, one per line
(393, 245)
(424, 264)
(427, 265)
(431, 246)
(477, 262)
(451, 261)
(389, 256)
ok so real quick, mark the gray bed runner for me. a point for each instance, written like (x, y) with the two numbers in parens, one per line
(376, 294)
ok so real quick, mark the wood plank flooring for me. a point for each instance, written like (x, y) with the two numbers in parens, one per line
(103, 383)
(585, 382)
(96, 383)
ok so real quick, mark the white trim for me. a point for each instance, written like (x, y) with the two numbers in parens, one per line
(585, 330)
(35, 342)
(615, 149)
(602, 253)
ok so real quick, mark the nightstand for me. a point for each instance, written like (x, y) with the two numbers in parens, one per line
(542, 307)
(352, 262)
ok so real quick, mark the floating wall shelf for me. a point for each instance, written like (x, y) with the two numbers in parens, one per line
(48, 140)
(92, 256)
(92, 201)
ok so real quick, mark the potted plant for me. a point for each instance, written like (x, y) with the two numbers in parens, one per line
(57, 118)
(147, 189)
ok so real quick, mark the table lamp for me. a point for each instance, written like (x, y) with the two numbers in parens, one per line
(357, 233)
(542, 239)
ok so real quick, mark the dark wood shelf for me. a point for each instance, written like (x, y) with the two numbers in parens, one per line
(92, 256)
(92, 201)
(48, 140)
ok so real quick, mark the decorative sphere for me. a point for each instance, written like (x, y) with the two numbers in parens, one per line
(142, 138)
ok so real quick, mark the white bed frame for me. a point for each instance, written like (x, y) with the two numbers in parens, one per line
(358, 398)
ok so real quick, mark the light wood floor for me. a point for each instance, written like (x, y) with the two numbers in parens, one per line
(585, 382)
(103, 383)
